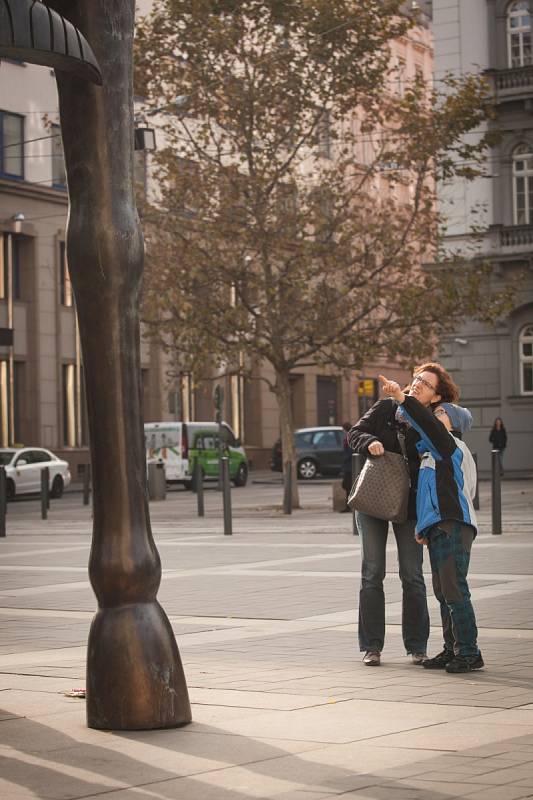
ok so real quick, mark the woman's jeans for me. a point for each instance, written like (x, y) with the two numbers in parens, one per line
(449, 553)
(415, 616)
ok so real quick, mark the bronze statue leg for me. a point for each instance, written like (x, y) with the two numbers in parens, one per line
(135, 679)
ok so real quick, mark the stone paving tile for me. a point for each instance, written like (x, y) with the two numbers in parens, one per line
(514, 792)
(247, 674)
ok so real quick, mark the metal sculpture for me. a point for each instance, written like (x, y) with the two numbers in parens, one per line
(135, 679)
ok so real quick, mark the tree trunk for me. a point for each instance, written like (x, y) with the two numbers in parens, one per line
(135, 678)
(283, 394)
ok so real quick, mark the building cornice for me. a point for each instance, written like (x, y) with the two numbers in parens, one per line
(34, 192)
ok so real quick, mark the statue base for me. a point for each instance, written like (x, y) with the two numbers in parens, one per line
(135, 679)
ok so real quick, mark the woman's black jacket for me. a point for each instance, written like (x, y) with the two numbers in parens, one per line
(498, 437)
(380, 424)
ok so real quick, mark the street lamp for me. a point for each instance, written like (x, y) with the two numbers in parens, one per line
(144, 135)
(145, 138)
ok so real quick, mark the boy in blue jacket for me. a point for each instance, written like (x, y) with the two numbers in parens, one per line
(446, 521)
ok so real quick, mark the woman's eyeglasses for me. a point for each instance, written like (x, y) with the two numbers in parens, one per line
(418, 379)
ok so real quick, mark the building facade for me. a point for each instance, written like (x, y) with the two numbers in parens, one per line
(494, 364)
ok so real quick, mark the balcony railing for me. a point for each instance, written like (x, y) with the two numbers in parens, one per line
(516, 236)
(518, 78)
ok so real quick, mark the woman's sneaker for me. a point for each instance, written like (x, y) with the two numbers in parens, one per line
(465, 664)
(418, 658)
(439, 661)
(372, 658)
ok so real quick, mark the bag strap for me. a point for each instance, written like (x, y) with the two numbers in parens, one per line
(403, 448)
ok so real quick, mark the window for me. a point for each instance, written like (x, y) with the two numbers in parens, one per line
(11, 145)
(526, 359)
(304, 439)
(75, 433)
(65, 286)
(326, 440)
(523, 185)
(519, 34)
(19, 399)
(323, 135)
(59, 175)
(10, 249)
(398, 75)
(4, 403)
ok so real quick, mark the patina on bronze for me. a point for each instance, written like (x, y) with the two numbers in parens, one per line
(30, 31)
(135, 679)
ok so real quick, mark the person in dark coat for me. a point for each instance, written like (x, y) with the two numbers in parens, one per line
(498, 439)
(346, 469)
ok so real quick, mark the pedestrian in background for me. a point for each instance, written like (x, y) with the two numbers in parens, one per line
(498, 439)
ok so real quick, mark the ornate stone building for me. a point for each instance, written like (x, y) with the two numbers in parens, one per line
(494, 365)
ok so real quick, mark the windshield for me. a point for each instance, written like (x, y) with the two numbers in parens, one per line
(6, 458)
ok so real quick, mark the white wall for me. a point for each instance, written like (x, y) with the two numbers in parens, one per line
(460, 29)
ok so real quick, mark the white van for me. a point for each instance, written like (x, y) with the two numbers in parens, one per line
(163, 442)
(180, 444)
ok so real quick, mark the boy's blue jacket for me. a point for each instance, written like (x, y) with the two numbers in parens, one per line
(447, 477)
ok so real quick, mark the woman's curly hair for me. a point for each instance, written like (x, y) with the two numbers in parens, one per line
(446, 387)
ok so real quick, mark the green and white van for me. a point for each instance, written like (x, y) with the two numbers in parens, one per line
(180, 444)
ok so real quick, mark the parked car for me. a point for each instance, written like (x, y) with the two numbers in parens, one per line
(23, 470)
(180, 444)
(318, 450)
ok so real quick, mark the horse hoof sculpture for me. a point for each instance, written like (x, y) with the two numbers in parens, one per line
(135, 679)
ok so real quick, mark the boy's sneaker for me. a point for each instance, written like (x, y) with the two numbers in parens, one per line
(439, 661)
(418, 658)
(372, 658)
(465, 664)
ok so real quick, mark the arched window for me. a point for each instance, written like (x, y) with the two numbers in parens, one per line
(523, 185)
(519, 34)
(525, 343)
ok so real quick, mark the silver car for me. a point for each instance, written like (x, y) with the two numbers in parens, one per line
(23, 470)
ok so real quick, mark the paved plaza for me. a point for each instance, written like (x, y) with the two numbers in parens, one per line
(265, 620)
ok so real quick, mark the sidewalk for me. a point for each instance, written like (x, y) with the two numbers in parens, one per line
(265, 620)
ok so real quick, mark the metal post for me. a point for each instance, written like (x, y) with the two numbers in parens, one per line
(357, 466)
(226, 496)
(198, 486)
(475, 501)
(45, 499)
(3, 501)
(496, 494)
(287, 488)
(87, 484)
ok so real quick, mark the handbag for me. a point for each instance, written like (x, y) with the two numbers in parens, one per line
(382, 487)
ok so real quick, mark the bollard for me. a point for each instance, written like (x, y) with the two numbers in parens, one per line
(357, 465)
(287, 488)
(226, 496)
(86, 484)
(3, 501)
(496, 494)
(475, 501)
(198, 487)
(45, 492)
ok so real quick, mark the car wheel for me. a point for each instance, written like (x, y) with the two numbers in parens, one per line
(57, 487)
(307, 469)
(10, 489)
(241, 477)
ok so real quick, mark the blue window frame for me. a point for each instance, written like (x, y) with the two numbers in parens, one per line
(11, 145)
(59, 175)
